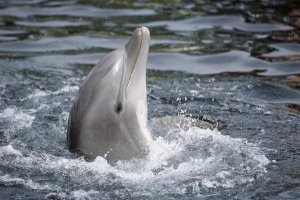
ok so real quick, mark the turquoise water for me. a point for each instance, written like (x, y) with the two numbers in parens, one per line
(233, 63)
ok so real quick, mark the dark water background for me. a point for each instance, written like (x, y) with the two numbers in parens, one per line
(236, 63)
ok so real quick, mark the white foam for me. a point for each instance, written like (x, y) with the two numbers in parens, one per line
(193, 158)
(76, 195)
(81, 194)
(65, 89)
(9, 150)
(18, 117)
(8, 180)
(38, 93)
(211, 169)
(41, 93)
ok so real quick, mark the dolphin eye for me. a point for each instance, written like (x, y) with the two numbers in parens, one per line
(119, 108)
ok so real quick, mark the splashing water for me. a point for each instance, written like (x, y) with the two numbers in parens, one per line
(187, 160)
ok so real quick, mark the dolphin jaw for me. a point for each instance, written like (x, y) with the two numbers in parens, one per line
(138, 48)
(143, 36)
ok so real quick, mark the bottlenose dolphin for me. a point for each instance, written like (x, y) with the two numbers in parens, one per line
(109, 115)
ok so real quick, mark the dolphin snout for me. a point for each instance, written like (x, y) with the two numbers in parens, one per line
(145, 31)
(138, 43)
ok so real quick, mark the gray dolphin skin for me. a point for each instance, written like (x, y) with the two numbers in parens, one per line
(109, 115)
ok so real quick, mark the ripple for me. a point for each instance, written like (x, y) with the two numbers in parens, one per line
(284, 49)
(51, 24)
(74, 10)
(229, 22)
(273, 93)
(233, 61)
(25, 2)
(8, 38)
(72, 43)
(11, 32)
(60, 44)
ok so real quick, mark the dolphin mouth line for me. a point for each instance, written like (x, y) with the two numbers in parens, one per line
(134, 65)
(124, 85)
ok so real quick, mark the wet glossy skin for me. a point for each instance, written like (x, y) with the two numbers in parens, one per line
(109, 115)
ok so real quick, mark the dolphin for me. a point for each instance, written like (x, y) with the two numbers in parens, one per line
(109, 115)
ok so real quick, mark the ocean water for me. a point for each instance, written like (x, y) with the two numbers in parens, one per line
(235, 64)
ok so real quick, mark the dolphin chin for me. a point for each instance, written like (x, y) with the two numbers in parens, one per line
(109, 115)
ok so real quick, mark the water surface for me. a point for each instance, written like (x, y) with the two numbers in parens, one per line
(235, 64)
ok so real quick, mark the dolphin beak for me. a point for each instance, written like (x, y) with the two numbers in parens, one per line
(140, 39)
(136, 50)
(134, 63)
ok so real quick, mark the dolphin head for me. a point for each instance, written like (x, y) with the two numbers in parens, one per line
(131, 103)
(130, 108)
(132, 71)
(132, 97)
(109, 116)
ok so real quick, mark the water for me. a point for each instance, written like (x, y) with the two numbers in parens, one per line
(235, 64)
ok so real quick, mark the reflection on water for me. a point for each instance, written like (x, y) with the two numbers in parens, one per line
(227, 22)
(236, 63)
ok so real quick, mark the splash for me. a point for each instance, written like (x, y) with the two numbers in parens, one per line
(189, 160)
(17, 117)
